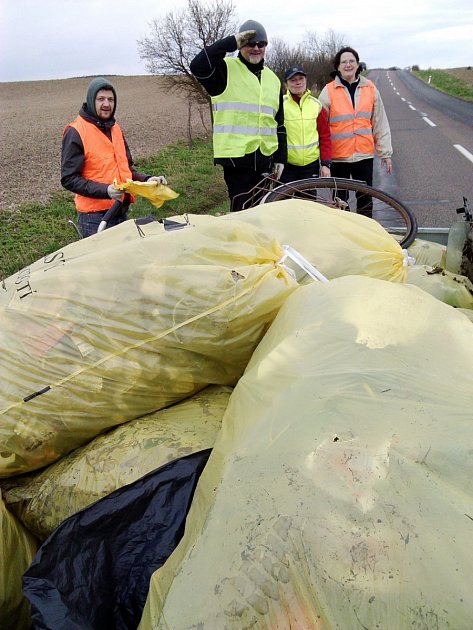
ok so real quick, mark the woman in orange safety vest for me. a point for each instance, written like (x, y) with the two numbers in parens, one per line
(358, 124)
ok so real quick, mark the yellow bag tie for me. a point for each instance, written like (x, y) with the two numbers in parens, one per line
(152, 190)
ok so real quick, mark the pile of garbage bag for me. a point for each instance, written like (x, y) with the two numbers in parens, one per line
(241, 421)
(115, 459)
(96, 336)
(338, 493)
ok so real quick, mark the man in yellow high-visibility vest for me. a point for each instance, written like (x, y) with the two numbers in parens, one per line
(249, 137)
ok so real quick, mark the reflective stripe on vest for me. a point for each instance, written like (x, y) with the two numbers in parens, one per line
(245, 107)
(103, 161)
(300, 120)
(244, 114)
(351, 128)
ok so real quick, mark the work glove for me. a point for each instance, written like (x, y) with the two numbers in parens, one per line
(114, 193)
(158, 178)
(277, 170)
(243, 38)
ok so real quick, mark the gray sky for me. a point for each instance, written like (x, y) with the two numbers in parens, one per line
(56, 39)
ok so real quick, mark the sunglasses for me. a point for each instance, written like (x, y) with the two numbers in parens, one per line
(259, 44)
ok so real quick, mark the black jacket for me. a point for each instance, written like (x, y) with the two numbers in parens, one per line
(72, 160)
(210, 69)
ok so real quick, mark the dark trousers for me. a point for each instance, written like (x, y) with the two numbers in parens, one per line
(239, 182)
(292, 173)
(89, 222)
(362, 170)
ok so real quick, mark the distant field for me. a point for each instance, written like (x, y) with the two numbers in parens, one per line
(465, 74)
(455, 81)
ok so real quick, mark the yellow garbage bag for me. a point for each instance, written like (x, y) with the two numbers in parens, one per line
(428, 253)
(338, 494)
(113, 460)
(451, 288)
(17, 550)
(337, 243)
(155, 192)
(467, 311)
(94, 336)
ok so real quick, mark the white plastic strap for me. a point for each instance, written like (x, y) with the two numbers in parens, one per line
(408, 261)
(292, 254)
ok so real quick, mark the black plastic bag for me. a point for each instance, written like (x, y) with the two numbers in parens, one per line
(93, 572)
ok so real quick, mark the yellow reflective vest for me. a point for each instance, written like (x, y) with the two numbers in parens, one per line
(300, 120)
(244, 115)
(350, 126)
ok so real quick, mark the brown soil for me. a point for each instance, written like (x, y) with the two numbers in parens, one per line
(465, 74)
(34, 113)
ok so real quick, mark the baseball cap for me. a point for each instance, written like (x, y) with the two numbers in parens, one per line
(290, 72)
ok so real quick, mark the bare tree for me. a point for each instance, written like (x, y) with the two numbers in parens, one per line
(319, 52)
(281, 56)
(176, 38)
(315, 54)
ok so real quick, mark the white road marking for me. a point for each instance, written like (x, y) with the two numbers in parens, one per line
(428, 121)
(464, 152)
(412, 107)
(403, 99)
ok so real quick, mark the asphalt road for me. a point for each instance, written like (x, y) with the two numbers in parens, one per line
(432, 136)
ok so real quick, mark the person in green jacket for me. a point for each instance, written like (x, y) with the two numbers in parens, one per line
(309, 143)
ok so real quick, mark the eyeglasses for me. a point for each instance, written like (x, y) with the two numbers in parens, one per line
(259, 44)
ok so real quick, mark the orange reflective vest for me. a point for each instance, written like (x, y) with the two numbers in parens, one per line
(103, 161)
(351, 126)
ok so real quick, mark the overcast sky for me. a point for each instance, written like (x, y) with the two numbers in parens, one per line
(56, 39)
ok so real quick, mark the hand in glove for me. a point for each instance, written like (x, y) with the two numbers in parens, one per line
(243, 38)
(114, 193)
(158, 178)
(277, 170)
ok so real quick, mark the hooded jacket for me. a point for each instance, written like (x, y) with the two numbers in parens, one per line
(94, 152)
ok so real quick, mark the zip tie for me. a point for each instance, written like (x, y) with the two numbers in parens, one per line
(294, 255)
(38, 393)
